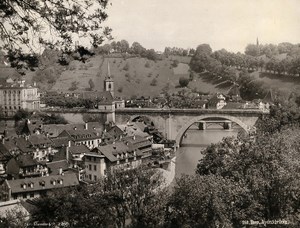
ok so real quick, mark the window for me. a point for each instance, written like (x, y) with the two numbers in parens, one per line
(24, 195)
(90, 167)
(95, 177)
(94, 159)
(95, 168)
(31, 195)
(90, 176)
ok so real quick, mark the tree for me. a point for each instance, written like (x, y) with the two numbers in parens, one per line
(137, 48)
(14, 218)
(21, 115)
(135, 194)
(91, 84)
(183, 82)
(124, 46)
(203, 49)
(208, 201)
(54, 24)
(253, 50)
(268, 167)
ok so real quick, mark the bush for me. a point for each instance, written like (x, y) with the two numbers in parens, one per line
(120, 89)
(153, 82)
(149, 75)
(147, 64)
(73, 86)
(183, 82)
(126, 67)
(175, 63)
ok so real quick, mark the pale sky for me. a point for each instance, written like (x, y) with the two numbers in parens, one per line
(229, 24)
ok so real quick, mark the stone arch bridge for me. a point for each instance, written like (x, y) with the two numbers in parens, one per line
(175, 122)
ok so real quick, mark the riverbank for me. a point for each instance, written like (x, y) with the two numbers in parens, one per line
(169, 173)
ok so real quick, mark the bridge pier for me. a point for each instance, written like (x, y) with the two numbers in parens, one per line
(202, 125)
(227, 125)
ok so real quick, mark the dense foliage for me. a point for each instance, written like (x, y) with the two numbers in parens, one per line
(132, 196)
(27, 24)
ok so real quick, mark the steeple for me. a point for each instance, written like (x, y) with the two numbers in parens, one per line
(257, 42)
(109, 82)
(108, 70)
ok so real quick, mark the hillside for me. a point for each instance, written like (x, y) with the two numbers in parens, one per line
(132, 76)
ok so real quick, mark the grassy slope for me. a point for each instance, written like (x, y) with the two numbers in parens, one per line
(140, 76)
(138, 79)
(285, 84)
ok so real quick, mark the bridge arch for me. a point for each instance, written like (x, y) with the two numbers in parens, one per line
(184, 128)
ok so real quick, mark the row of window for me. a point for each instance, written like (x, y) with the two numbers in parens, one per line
(25, 195)
(90, 167)
(11, 92)
(12, 107)
(89, 176)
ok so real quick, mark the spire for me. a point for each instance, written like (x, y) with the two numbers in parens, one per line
(257, 42)
(108, 70)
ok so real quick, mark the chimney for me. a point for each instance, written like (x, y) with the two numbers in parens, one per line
(133, 137)
(75, 128)
(67, 151)
(85, 126)
(60, 171)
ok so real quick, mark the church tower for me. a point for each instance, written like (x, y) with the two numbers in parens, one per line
(257, 42)
(109, 82)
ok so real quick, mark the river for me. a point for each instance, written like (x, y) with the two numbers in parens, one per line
(188, 155)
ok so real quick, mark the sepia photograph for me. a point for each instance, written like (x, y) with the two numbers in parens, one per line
(150, 114)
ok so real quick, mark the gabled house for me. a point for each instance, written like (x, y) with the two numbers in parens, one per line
(87, 137)
(37, 186)
(42, 146)
(142, 144)
(103, 160)
(24, 166)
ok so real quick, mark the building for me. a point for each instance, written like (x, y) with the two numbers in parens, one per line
(37, 186)
(103, 160)
(24, 166)
(89, 138)
(16, 95)
(218, 101)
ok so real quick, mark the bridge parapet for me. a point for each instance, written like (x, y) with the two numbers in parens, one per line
(196, 111)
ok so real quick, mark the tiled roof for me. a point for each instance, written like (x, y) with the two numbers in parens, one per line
(23, 145)
(115, 131)
(78, 149)
(138, 141)
(93, 95)
(4, 153)
(25, 160)
(37, 140)
(42, 183)
(10, 144)
(60, 141)
(56, 165)
(78, 135)
(132, 130)
(111, 151)
(55, 129)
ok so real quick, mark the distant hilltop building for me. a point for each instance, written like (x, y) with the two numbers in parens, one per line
(16, 95)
